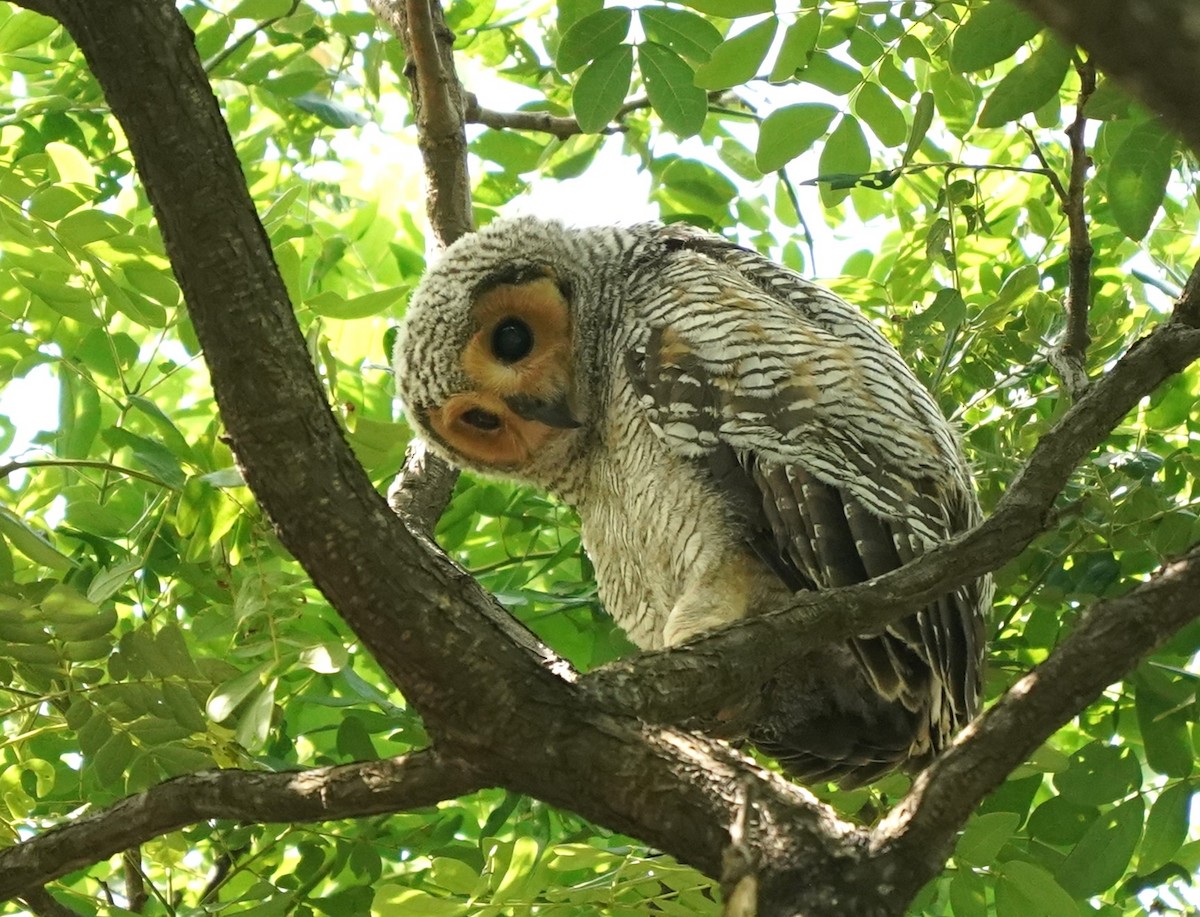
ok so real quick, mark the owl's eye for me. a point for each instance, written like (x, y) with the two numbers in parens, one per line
(480, 419)
(512, 340)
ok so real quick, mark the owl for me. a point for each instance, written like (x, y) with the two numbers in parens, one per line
(729, 434)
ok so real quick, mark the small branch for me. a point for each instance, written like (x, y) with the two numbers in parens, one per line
(9, 467)
(1108, 643)
(347, 791)
(422, 489)
(1187, 307)
(1070, 356)
(135, 886)
(228, 52)
(542, 121)
(438, 106)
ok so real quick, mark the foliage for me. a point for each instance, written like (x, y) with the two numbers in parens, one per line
(152, 626)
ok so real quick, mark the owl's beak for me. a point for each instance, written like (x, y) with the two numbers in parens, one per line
(554, 412)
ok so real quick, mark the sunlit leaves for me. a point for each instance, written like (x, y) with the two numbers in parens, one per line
(1138, 174)
(737, 59)
(789, 131)
(669, 85)
(687, 34)
(1102, 855)
(1028, 86)
(601, 88)
(592, 36)
(799, 42)
(880, 112)
(992, 33)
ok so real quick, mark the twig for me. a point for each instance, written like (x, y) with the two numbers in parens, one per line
(226, 53)
(1070, 356)
(542, 121)
(135, 885)
(347, 791)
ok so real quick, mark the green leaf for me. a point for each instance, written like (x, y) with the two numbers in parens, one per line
(993, 33)
(332, 112)
(1028, 86)
(255, 722)
(1166, 827)
(1098, 774)
(687, 34)
(787, 132)
(32, 543)
(1061, 822)
(968, 896)
(984, 836)
(23, 29)
(831, 74)
(922, 119)
(957, 99)
(112, 759)
(592, 37)
(881, 113)
(1027, 890)
(601, 88)
(333, 305)
(1138, 175)
(1164, 726)
(799, 42)
(732, 9)
(737, 59)
(1103, 853)
(681, 104)
(846, 153)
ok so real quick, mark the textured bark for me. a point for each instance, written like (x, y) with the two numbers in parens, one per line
(1152, 47)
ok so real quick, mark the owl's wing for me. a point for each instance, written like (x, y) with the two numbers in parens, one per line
(837, 462)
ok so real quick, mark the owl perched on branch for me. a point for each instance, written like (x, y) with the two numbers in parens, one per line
(729, 434)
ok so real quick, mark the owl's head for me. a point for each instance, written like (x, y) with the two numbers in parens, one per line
(485, 360)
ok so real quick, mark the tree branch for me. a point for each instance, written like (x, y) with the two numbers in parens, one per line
(542, 121)
(425, 484)
(1106, 644)
(438, 106)
(347, 791)
(671, 686)
(1151, 47)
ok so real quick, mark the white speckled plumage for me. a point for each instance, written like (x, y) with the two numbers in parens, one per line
(742, 433)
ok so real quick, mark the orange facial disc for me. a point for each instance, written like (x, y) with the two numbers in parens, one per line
(546, 371)
(481, 427)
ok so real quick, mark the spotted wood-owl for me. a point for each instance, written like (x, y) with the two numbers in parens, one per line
(729, 434)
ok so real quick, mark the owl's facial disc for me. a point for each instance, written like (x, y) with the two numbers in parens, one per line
(520, 365)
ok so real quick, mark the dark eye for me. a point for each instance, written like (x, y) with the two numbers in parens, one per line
(480, 419)
(512, 340)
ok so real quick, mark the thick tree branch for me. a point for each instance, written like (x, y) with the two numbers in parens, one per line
(1105, 646)
(348, 791)
(1152, 47)
(674, 685)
